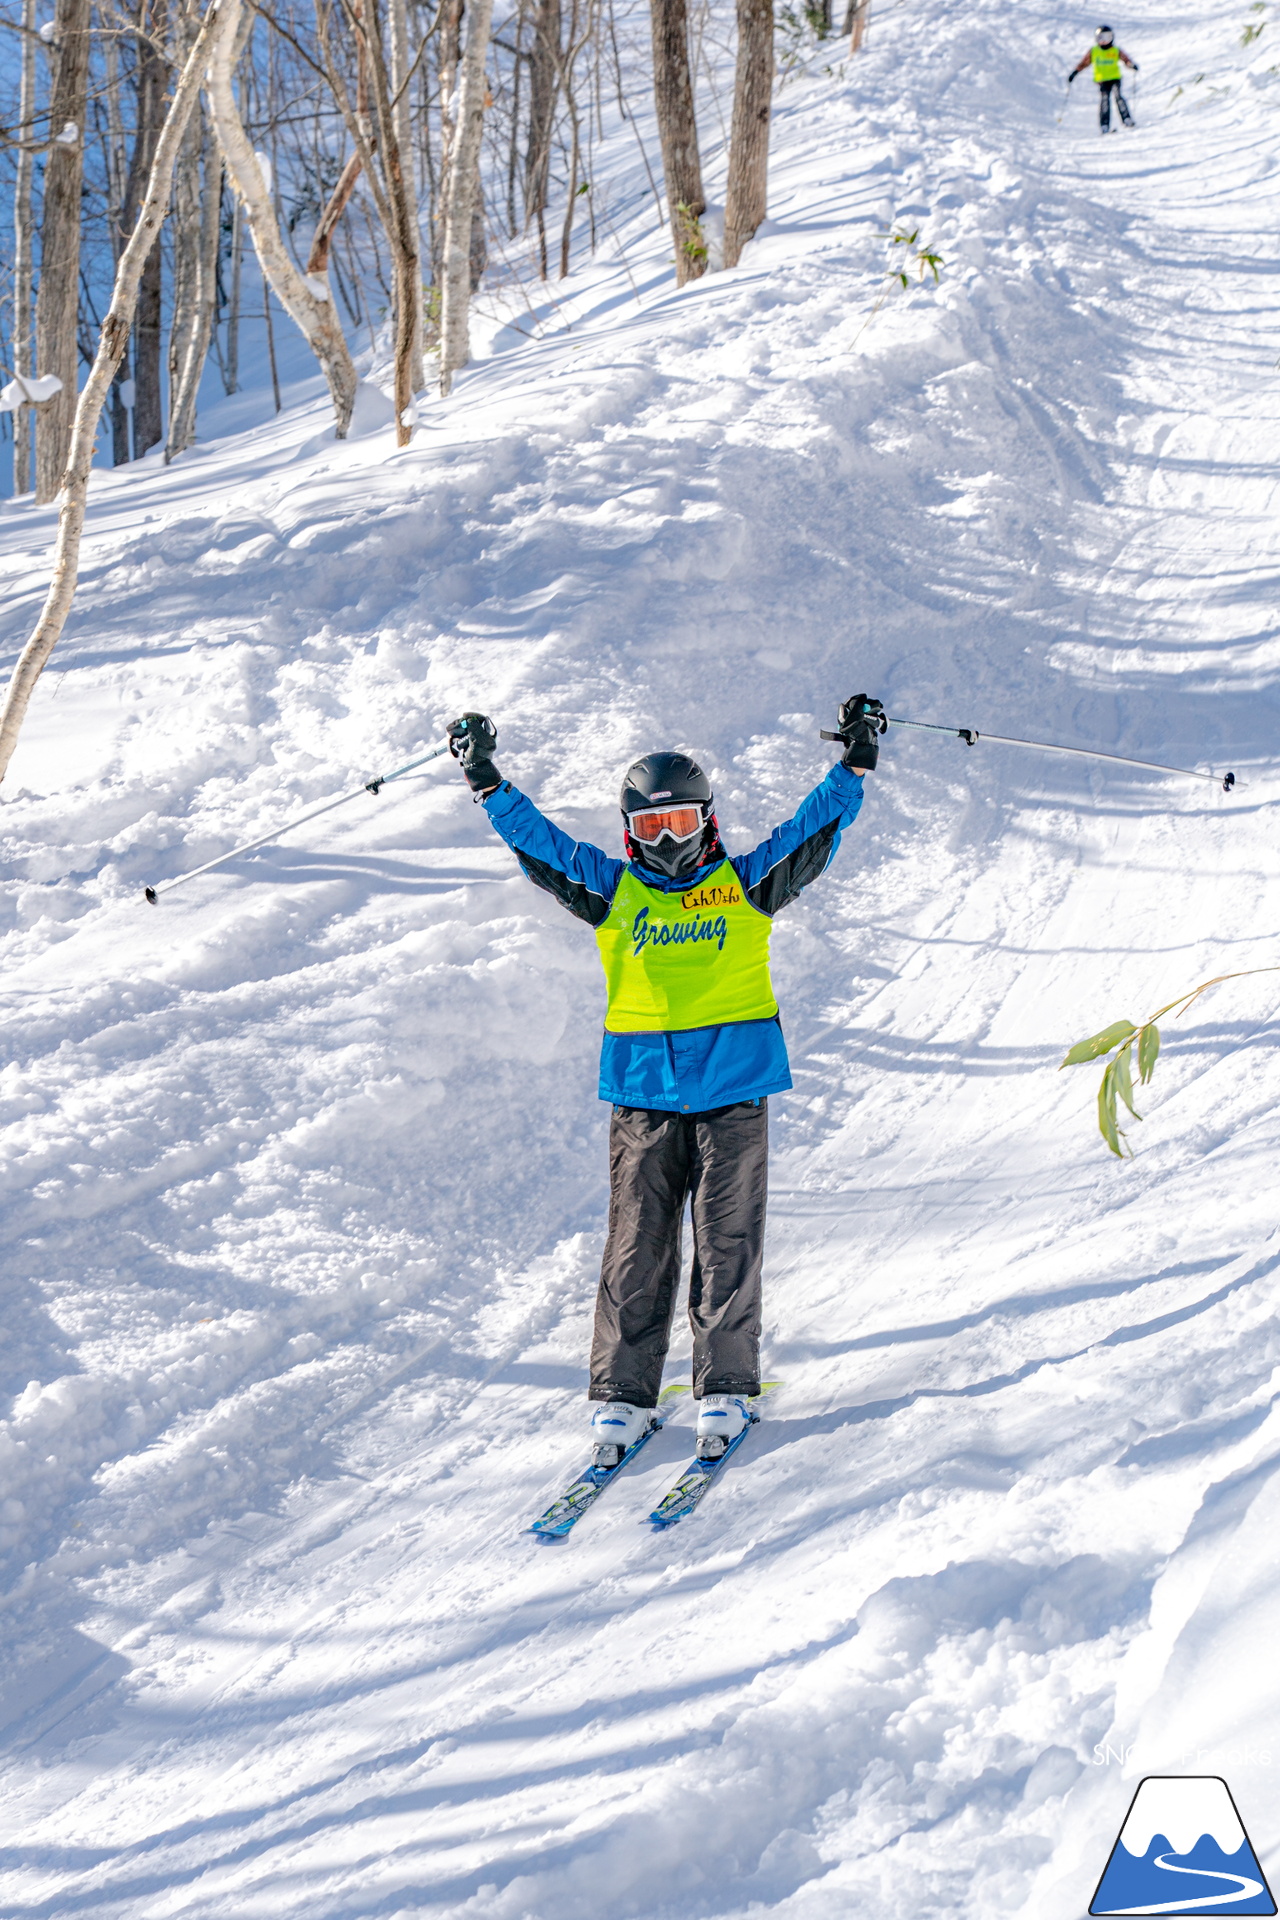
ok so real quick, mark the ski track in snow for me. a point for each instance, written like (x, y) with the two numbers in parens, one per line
(304, 1172)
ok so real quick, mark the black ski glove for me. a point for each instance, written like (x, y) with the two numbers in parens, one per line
(1133, 66)
(1071, 76)
(472, 739)
(861, 722)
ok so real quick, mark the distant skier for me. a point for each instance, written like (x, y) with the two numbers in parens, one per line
(692, 1050)
(1105, 58)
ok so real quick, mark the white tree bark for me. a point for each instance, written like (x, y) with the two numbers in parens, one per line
(182, 408)
(307, 303)
(460, 192)
(58, 296)
(74, 495)
(23, 229)
(187, 251)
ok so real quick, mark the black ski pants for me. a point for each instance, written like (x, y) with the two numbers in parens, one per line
(1105, 90)
(719, 1162)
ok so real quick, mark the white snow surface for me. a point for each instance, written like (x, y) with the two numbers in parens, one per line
(304, 1168)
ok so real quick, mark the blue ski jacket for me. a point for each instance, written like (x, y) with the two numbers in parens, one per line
(708, 1067)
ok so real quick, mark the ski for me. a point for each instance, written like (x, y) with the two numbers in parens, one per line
(564, 1513)
(684, 1496)
(693, 1483)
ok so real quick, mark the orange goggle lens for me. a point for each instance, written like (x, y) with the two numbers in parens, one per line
(680, 822)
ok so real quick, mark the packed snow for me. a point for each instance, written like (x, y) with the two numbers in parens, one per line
(305, 1170)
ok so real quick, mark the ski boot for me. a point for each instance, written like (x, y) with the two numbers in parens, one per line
(721, 1418)
(615, 1426)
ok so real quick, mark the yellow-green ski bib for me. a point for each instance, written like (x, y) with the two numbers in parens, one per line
(673, 961)
(1106, 63)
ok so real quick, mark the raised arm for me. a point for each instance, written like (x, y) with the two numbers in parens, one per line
(793, 856)
(582, 878)
(795, 853)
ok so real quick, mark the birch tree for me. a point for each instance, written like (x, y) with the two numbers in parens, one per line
(188, 239)
(348, 179)
(58, 302)
(152, 80)
(307, 301)
(117, 176)
(389, 175)
(187, 359)
(23, 252)
(73, 495)
(460, 197)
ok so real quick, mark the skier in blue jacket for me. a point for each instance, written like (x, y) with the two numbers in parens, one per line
(692, 1050)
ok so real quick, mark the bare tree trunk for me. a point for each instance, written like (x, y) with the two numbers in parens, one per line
(446, 76)
(389, 175)
(392, 195)
(231, 378)
(568, 61)
(188, 249)
(746, 200)
(74, 489)
(460, 189)
(513, 151)
(307, 301)
(117, 176)
(22, 248)
(322, 238)
(271, 342)
(148, 401)
(478, 252)
(678, 132)
(57, 304)
(544, 82)
(855, 22)
(185, 387)
(402, 121)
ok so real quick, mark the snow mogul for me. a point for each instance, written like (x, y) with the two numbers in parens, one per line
(692, 1050)
(1104, 56)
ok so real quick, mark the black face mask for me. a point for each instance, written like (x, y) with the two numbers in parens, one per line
(674, 858)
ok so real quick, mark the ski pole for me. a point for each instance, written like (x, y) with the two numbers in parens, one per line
(971, 736)
(370, 786)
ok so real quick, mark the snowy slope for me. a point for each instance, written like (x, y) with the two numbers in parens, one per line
(304, 1169)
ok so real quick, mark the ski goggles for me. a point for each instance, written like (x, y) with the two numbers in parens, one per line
(680, 822)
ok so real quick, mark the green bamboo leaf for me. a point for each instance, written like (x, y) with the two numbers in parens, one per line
(1107, 1123)
(1124, 1078)
(1101, 1043)
(1148, 1050)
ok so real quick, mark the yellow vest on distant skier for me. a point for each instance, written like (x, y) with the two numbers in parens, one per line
(674, 961)
(1106, 62)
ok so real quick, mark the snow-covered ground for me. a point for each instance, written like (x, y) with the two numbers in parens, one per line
(304, 1171)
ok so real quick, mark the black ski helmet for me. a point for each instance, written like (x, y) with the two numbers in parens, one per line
(669, 779)
(1104, 36)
